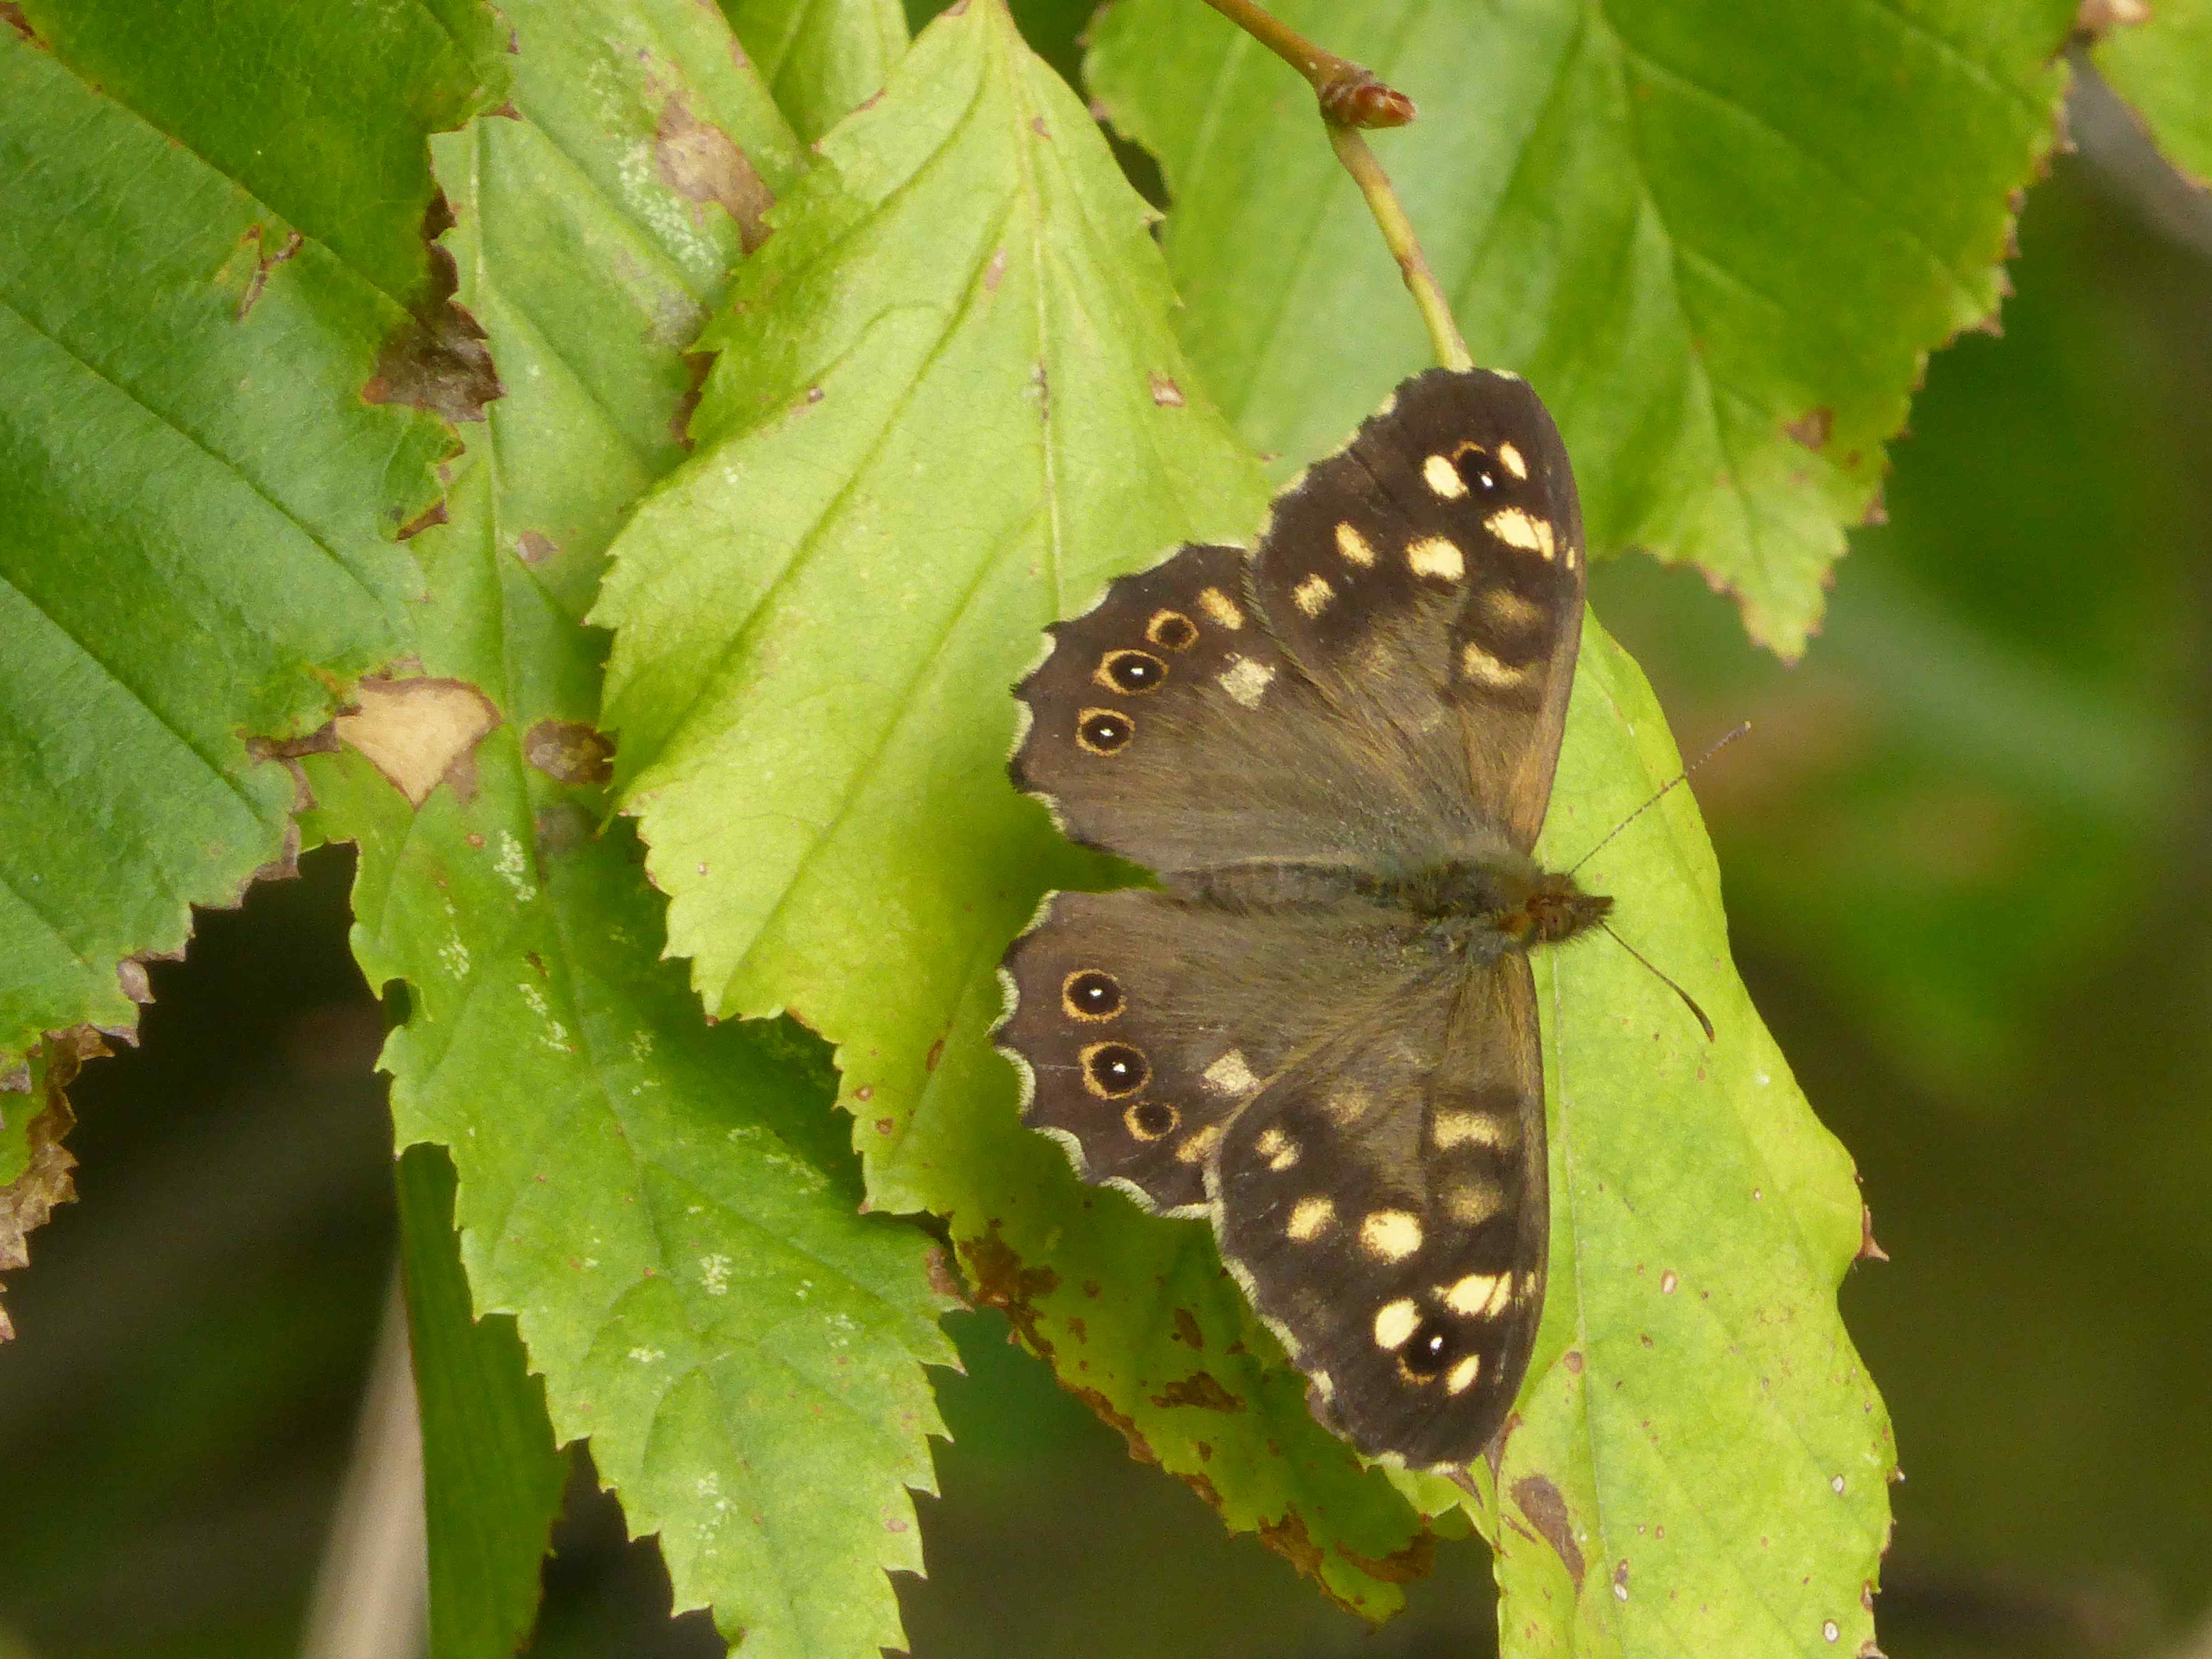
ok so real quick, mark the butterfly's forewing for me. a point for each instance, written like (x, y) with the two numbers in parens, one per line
(1428, 578)
(1384, 1205)
(1166, 724)
(1143, 1022)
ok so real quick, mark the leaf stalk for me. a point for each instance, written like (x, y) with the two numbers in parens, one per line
(1353, 97)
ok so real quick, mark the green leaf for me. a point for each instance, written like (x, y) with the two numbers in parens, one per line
(322, 126)
(1702, 1464)
(821, 58)
(949, 407)
(668, 1209)
(492, 1478)
(197, 506)
(2163, 66)
(1720, 241)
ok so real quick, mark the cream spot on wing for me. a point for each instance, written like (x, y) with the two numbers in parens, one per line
(1473, 1128)
(1200, 1147)
(1442, 478)
(1432, 555)
(1312, 595)
(1245, 680)
(1353, 545)
(1232, 1074)
(1309, 1217)
(1516, 529)
(1463, 1374)
(1471, 1203)
(1508, 612)
(1479, 1295)
(1511, 458)
(1395, 1322)
(1219, 606)
(1347, 1106)
(1570, 557)
(1278, 1148)
(1391, 1234)
(1479, 666)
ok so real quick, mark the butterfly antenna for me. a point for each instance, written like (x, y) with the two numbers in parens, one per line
(1688, 1001)
(1681, 776)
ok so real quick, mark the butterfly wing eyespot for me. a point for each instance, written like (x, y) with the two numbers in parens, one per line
(1104, 730)
(1091, 995)
(1151, 1120)
(1134, 672)
(1112, 1070)
(1172, 630)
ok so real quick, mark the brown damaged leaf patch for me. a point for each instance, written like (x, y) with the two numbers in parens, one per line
(534, 548)
(1201, 1389)
(439, 359)
(264, 263)
(1289, 1538)
(420, 732)
(1417, 1560)
(1541, 1501)
(12, 16)
(570, 753)
(27, 1200)
(1140, 1448)
(1812, 428)
(1186, 1328)
(1003, 1283)
(701, 163)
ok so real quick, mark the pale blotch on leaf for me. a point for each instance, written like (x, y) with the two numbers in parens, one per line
(419, 732)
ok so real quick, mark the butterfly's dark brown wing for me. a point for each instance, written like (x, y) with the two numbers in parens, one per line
(1141, 1023)
(1428, 580)
(1384, 1204)
(1166, 724)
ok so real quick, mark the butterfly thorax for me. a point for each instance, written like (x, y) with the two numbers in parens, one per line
(1500, 902)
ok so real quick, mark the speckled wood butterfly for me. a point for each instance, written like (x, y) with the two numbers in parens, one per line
(1320, 1029)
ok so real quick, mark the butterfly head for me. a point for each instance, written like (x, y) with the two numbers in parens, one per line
(1553, 908)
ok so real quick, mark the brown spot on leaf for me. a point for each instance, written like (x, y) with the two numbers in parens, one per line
(1289, 1538)
(944, 1277)
(701, 162)
(433, 514)
(1868, 1250)
(1813, 428)
(1201, 1389)
(698, 365)
(1003, 1283)
(131, 974)
(439, 359)
(1165, 392)
(534, 547)
(12, 16)
(26, 1202)
(936, 1052)
(1540, 1500)
(1079, 1330)
(570, 753)
(419, 732)
(995, 272)
(1187, 1327)
(1417, 1560)
(264, 263)
(1038, 126)
(1138, 1448)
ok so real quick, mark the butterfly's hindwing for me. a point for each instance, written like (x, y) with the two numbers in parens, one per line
(1384, 1204)
(1145, 1022)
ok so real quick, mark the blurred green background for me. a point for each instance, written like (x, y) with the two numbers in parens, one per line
(1969, 862)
